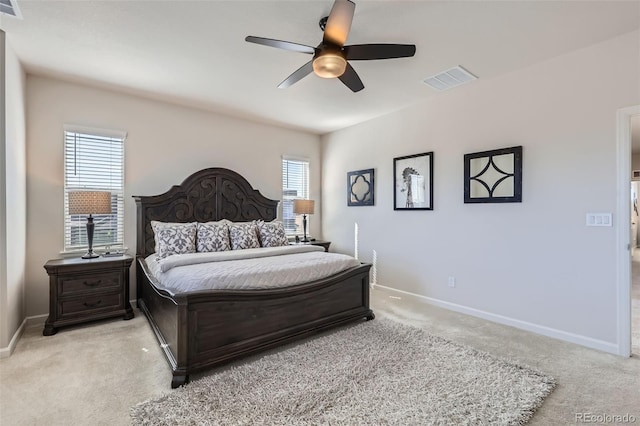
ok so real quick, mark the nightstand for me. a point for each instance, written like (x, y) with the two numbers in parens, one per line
(321, 243)
(82, 290)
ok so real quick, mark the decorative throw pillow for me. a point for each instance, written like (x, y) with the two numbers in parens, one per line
(213, 236)
(243, 235)
(272, 234)
(174, 238)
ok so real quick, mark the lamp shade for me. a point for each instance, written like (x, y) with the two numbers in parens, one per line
(89, 202)
(303, 206)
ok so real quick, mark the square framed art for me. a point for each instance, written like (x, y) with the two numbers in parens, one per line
(413, 182)
(493, 176)
(360, 188)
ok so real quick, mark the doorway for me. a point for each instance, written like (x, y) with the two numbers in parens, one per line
(635, 252)
(635, 304)
(635, 228)
(628, 133)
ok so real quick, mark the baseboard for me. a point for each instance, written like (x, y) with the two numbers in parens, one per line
(36, 320)
(6, 352)
(27, 322)
(523, 325)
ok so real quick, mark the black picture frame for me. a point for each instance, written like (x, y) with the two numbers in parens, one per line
(502, 183)
(413, 182)
(361, 188)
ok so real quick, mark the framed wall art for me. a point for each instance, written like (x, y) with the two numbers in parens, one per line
(493, 176)
(413, 182)
(360, 188)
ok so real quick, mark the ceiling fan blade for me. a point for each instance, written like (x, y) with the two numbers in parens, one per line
(286, 45)
(298, 75)
(339, 22)
(351, 80)
(363, 52)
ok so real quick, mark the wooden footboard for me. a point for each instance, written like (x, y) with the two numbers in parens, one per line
(204, 329)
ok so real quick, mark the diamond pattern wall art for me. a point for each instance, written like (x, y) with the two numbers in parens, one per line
(493, 176)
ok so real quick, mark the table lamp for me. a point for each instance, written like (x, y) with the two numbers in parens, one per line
(303, 207)
(89, 202)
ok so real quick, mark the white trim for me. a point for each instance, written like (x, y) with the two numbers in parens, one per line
(27, 322)
(523, 325)
(623, 238)
(6, 352)
(105, 133)
(36, 320)
(97, 249)
(295, 158)
(110, 148)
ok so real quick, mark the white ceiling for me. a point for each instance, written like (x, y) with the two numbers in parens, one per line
(194, 53)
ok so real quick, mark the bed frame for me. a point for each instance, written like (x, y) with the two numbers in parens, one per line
(203, 329)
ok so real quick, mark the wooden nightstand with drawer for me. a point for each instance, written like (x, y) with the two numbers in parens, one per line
(82, 290)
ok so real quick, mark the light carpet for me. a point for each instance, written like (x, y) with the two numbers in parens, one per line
(377, 372)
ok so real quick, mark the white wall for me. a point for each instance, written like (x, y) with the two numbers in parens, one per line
(532, 264)
(165, 144)
(13, 194)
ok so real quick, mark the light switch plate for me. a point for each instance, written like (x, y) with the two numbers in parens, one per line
(599, 219)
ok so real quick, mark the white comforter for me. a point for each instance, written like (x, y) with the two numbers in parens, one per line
(247, 269)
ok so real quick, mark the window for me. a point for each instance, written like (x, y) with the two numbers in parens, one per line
(94, 161)
(295, 184)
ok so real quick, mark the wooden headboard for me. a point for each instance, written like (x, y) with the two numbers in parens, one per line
(207, 195)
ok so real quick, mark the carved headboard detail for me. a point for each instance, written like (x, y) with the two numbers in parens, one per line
(208, 195)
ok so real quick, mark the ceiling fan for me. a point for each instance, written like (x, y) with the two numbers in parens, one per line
(331, 55)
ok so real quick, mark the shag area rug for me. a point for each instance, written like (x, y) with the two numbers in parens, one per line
(375, 373)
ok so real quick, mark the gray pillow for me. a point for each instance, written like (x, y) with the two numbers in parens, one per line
(243, 235)
(174, 238)
(272, 234)
(213, 236)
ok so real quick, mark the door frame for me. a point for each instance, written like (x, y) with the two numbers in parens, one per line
(623, 216)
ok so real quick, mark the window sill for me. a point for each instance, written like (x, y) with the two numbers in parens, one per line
(96, 250)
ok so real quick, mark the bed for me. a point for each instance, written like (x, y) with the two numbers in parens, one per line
(198, 330)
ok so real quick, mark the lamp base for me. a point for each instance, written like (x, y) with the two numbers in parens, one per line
(304, 226)
(90, 225)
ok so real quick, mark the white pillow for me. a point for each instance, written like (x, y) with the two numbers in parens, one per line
(272, 234)
(174, 238)
(243, 235)
(213, 236)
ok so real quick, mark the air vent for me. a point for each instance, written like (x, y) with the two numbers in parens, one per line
(450, 78)
(10, 7)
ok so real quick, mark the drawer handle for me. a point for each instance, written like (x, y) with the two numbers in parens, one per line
(92, 283)
(92, 305)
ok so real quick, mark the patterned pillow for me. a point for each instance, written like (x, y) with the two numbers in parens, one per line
(174, 238)
(243, 235)
(272, 234)
(213, 236)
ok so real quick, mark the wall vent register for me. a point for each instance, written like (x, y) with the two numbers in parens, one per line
(450, 78)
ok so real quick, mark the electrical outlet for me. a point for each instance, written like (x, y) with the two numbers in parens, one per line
(451, 282)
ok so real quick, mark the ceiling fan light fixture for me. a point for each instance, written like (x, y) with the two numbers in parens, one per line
(329, 65)
(331, 55)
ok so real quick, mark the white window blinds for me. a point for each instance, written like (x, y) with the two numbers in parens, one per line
(295, 184)
(94, 161)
